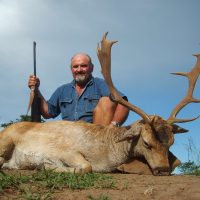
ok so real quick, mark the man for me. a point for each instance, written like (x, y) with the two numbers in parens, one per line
(85, 98)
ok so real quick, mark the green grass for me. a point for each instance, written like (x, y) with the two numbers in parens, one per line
(41, 184)
(11, 181)
(54, 180)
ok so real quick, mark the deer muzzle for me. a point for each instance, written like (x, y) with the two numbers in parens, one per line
(161, 171)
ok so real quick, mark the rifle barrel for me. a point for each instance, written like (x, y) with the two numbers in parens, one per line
(34, 57)
(35, 108)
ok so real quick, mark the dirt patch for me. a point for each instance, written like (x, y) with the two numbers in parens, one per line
(131, 186)
(137, 187)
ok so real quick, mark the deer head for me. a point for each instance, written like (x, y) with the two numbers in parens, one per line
(157, 134)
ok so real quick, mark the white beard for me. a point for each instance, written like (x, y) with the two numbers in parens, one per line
(80, 78)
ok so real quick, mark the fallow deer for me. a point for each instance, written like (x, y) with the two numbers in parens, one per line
(83, 147)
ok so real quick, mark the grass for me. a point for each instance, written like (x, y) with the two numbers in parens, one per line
(11, 181)
(42, 184)
(54, 180)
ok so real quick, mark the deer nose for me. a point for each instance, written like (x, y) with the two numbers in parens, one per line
(161, 171)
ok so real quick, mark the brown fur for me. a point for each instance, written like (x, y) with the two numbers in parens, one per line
(83, 147)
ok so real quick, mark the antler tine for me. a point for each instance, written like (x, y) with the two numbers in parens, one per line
(192, 78)
(104, 55)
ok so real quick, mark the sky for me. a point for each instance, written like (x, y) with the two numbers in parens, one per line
(155, 38)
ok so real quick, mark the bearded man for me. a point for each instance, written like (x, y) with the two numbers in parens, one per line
(85, 98)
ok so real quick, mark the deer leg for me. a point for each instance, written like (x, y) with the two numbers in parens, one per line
(11, 164)
(72, 162)
(135, 166)
(6, 147)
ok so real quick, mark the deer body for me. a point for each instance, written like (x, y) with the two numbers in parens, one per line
(77, 146)
(57, 143)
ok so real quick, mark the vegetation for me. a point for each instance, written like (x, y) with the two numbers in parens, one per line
(21, 119)
(192, 167)
(32, 186)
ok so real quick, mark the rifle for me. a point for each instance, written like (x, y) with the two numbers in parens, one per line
(36, 102)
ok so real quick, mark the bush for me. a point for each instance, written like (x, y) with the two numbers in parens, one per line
(190, 168)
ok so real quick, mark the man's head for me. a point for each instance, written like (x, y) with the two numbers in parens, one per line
(81, 67)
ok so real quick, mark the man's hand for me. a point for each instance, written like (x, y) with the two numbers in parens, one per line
(33, 81)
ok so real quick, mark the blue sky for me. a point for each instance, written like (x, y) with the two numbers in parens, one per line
(156, 37)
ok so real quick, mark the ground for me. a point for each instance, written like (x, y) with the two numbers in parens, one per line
(130, 186)
(137, 187)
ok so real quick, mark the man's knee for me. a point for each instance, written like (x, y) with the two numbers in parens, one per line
(105, 105)
(104, 111)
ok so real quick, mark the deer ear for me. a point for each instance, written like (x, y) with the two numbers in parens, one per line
(178, 129)
(130, 133)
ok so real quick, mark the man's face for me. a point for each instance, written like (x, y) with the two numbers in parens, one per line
(81, 68)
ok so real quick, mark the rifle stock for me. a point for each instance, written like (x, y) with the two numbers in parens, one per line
(35, 107)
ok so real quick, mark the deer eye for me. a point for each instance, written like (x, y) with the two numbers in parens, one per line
(148, 146)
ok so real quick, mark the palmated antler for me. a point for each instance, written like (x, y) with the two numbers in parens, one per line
(104, 55)
(192, 78)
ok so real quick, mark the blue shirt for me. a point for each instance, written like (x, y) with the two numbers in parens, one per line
(72, 107)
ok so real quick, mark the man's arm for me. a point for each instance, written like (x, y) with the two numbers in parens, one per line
(44, 107)
(120, 114)
(35, 81)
